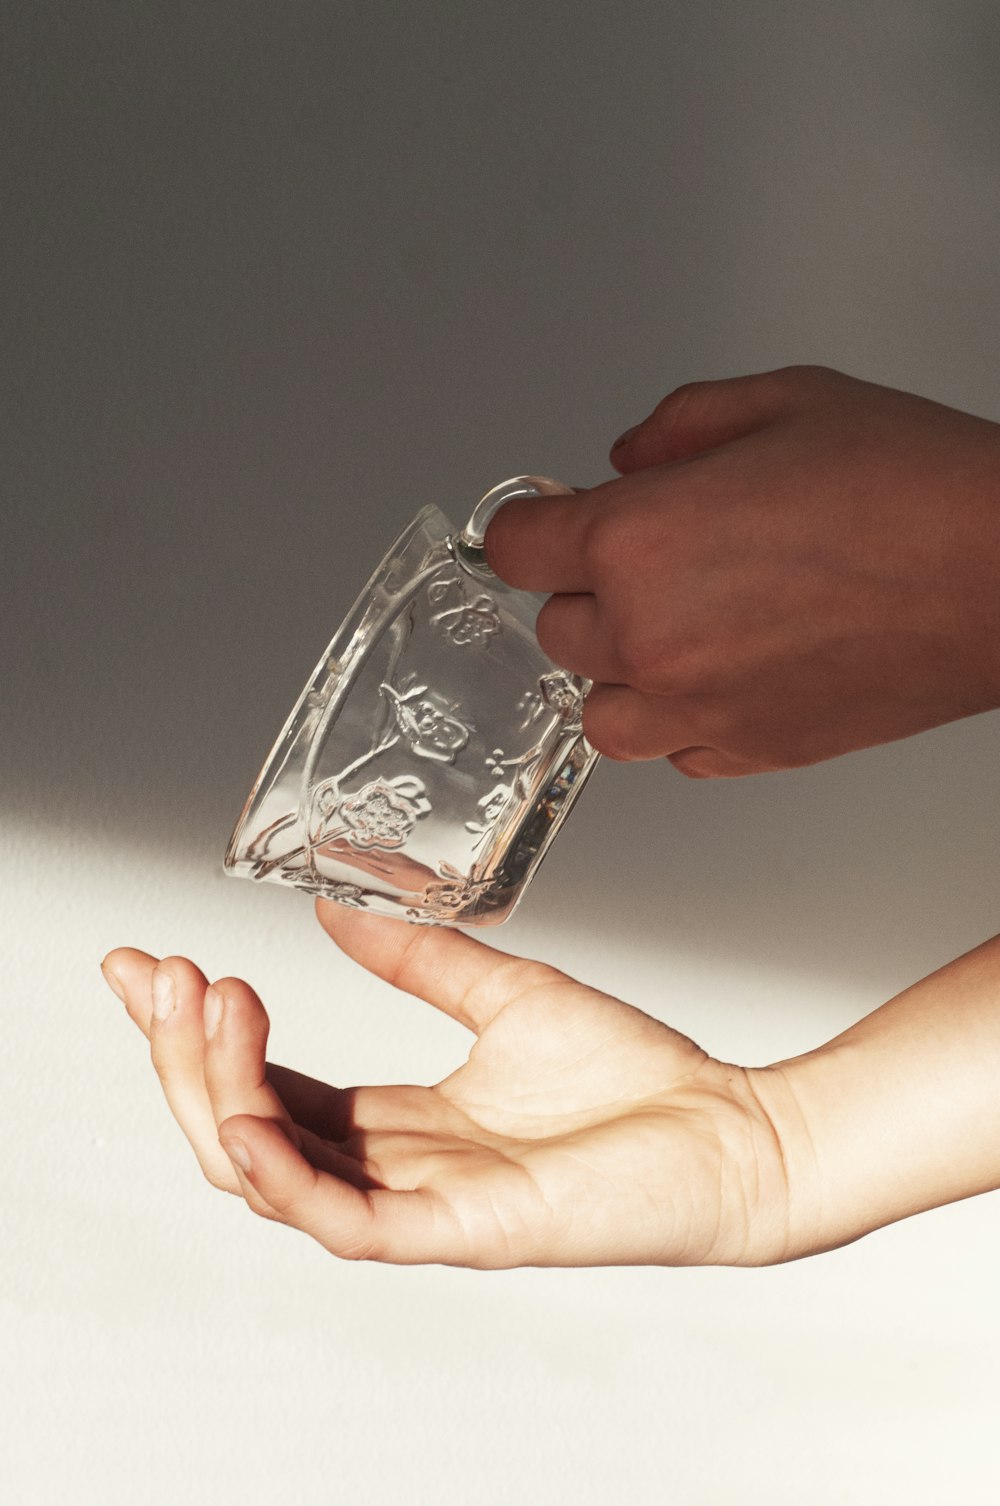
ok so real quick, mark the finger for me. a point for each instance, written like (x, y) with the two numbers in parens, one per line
(465, 979)
(351, 1222)
(538, 543)
(570, 631)
(177, 1049)
(700, 416)
(712, 763)
(128, 973)
(631, 725)
(236, 1031)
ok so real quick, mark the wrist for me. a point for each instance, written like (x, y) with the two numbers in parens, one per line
(897, 1115)
(861, 1149)
(806, 1213)
(840, 1170)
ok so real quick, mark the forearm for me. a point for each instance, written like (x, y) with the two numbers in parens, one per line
(899, 1114)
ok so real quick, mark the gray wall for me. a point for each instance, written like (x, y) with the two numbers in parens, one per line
(276, 275)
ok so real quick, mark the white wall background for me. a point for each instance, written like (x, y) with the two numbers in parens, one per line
(277, 274)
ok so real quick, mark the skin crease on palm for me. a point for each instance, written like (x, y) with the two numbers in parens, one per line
(790, 566)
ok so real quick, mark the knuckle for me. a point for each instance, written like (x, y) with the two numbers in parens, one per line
(173, 1072)
(633, 651)
(681, 397)
(710, 763)
(667, 658)
(804, 377)
(608, 733)
(694, 763)
(181, 970)
(599, 540)
(357, 1239)
(686, 402)
(277, 1204)
(165, 1070)
(263, 1210)
(647, 656)
(807, 371)
(605, 742)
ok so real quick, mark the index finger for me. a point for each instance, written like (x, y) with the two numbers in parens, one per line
(538, 543)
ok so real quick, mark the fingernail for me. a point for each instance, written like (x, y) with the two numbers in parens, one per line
(164, 994)
(114, 982)
(624, 438)
(238, 1154)
(212, 1012)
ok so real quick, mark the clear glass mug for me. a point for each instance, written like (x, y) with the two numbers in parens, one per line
(435, 751)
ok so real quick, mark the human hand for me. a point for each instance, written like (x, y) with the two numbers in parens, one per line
(792, 566)
(579, 1132)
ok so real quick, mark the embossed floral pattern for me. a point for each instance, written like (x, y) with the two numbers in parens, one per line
(326, 799)
(437, 729)
(497, 761)
(492, 807)
(312, 882)
(492, 804)
(344, 894)
(529, 708)
(467, 621)
(449, 897)
(429, 697)
(429, 726)
(474, 622)
(383, 813)
(563, 694)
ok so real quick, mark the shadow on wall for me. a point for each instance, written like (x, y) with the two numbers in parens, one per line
(258, 302)
(870, 870)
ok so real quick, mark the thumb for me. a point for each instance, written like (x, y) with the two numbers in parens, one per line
(702, 415)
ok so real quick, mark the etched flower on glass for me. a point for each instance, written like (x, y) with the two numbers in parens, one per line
(430, 730)
(563, 694)
(326, 799)
(492, 807)
(344, 894)
(438, 730)
(383, 814)
(493, 804)
(450, 896)
(435, 751)
(309, 881)
(496, 762)
(475, 622)
(529, 708)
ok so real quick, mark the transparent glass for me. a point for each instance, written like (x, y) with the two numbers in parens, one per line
(435, 751)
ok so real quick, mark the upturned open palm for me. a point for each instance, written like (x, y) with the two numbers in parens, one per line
(579, 1132)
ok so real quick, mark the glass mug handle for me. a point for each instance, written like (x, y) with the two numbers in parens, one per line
(468, 546)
